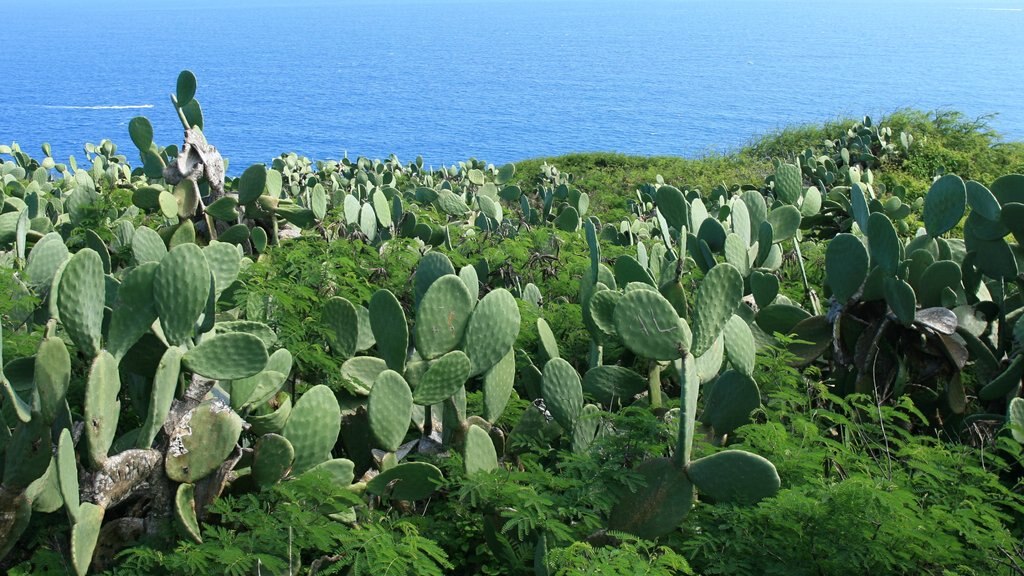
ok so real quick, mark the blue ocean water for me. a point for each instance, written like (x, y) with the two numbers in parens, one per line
(497, 80)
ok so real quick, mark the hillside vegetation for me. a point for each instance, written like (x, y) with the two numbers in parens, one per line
(802, 358)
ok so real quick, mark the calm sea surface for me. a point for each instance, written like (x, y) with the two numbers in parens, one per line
(497, 80)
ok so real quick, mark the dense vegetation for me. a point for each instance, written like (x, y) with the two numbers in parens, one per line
(800, 358)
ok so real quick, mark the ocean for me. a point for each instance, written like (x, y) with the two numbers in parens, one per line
(497, 80)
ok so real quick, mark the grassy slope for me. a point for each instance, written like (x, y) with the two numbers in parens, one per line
(946, 140)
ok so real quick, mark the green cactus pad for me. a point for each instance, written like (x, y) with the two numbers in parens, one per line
(479, 455)
(443, 378)
(235, 235)
(811, 204)
(901, 300)
(252, 183)
(602, 309)
(225, 208)
(258, 329)
(342, 321)
(185, 511)
(273, 420)
(80, 300)
(256, 390)
(765, 286)
(259, 239)
(982, 201)
(52, 375)
(340, 471)
(272, 458)
(452, 204)
(785, 221)
(883, 244)
(360, 372)
(313, 427)
(147, 246)
(225, 263)
(442, 317)
(409, 481)
(563, 392)
(185, 88)
(672, 205)
(201, 442)
(736, 253)
(739, 345)
(165, 384)
(84, 535)
(710, 362)
(780, 318)
(717, 298)
(788, 183)
(141, 133)
(1005, 382)
(470, 277)
(318, 201)
(613, 386)
(730, 401)
(67, 474)
(368, 222)
(846, 266)
(492, 329)
(230, 356)
(627, 270)
(859, 205)
(134, 313)
(387, 320)
(102, 408)
(734, 477)
(44, 260)
(944, 205)
(497, 386)
(389, 410)
(1015, 418)
(181, 288)
(648, 325)
(27, 454)
(659, 506)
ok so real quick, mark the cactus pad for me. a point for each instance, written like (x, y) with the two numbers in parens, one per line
(730, 402)
(181, 288)
(84, 535)
(497, 386)
(313, 427)
(102, 408)
(442, 379)
(613, 385)
(442, 317)
(165, 384)
(272, 459)
(389, 409)
(739, 345)
(185, 511)
(563, 392)
(944, 205)
(409, 481)
(492, 330)
(342, 321)
(717, 298)
(788, 183)
(734, 477)
(228, 356)
(387, 320)
(478, 453)
(648, 325)
(202, 440)
(80, 300)
(846, 266)
(659, 506)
